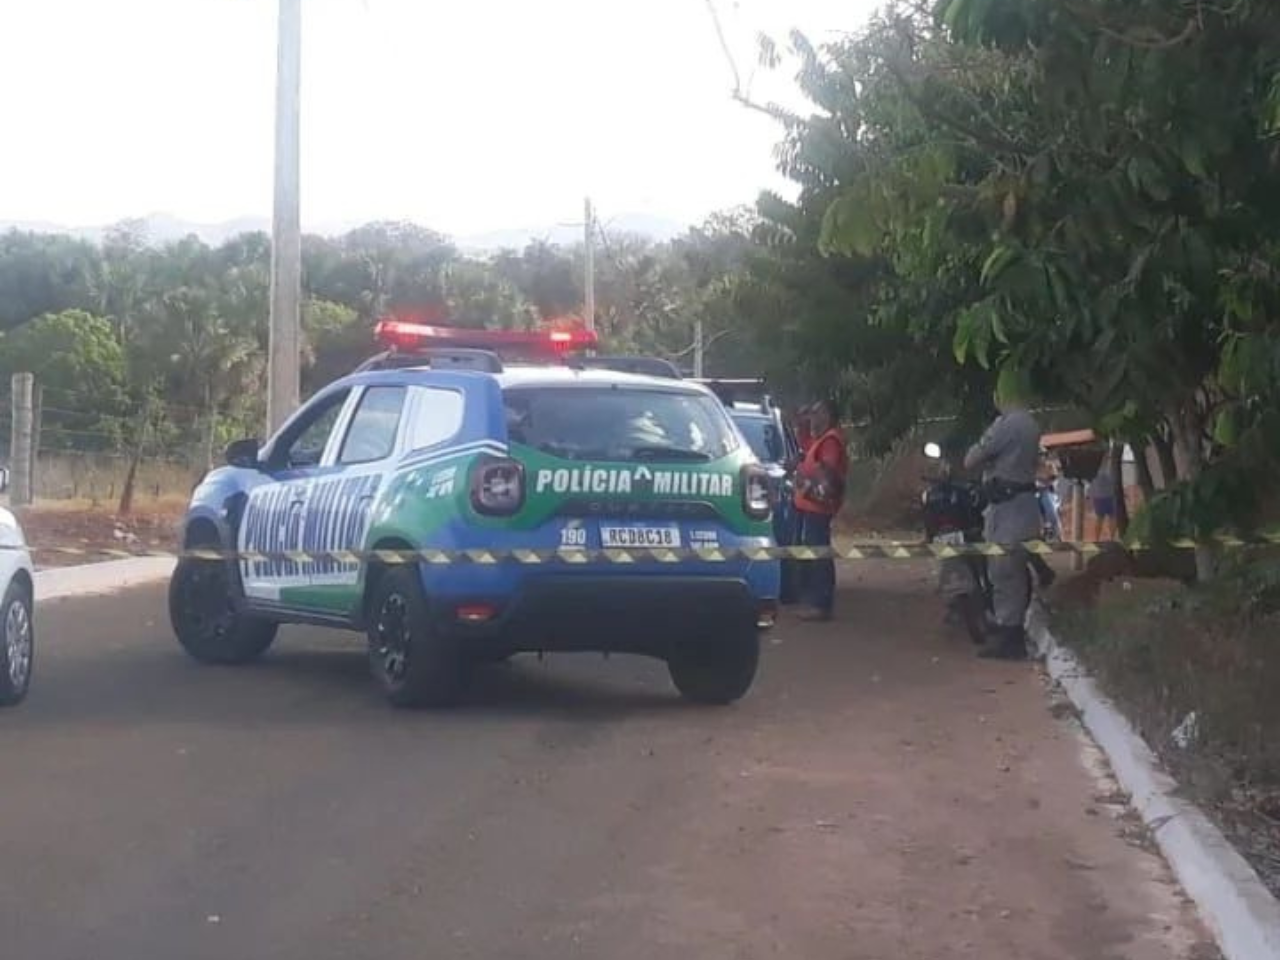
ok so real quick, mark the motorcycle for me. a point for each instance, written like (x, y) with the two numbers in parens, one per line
(953, 516)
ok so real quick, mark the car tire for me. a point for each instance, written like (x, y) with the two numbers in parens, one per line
(17, 644)
(204, 618)
(716, 672)
(414, 663)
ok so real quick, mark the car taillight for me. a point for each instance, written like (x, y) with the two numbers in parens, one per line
(497, 486)
(756, 498)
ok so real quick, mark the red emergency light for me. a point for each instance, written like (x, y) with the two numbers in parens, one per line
(409, 337)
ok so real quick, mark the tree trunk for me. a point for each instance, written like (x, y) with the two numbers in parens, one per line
(1188, 441)
(210, 427)
(1168, 463)
(130, 478)
(1146, 482)
(1116, 455)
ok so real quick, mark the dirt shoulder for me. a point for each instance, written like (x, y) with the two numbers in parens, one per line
(68, 533)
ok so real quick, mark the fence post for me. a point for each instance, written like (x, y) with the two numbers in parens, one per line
(22, 388)
(37, 421)
(1077, 522)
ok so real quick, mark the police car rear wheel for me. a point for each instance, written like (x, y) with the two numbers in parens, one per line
(415, 665)
(205, 620)
(715, 671)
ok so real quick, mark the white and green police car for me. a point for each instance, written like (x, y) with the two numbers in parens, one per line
(538, 483)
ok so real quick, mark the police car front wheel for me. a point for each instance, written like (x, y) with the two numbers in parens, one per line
(716, 671)
(415, 664)
(205, 620)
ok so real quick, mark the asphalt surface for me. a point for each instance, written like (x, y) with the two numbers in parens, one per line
(878, 795)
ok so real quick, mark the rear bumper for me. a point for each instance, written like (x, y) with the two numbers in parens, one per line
(619, 614)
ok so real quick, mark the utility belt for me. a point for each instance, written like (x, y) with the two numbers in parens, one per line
(996, 490)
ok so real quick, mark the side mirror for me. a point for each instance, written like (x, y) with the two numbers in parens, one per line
(243, 453)
(932, 451)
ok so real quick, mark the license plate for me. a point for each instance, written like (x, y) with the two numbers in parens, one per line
(952, 538)
(623, 537)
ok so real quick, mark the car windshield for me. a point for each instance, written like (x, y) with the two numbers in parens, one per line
(762, 436)
(618, 423)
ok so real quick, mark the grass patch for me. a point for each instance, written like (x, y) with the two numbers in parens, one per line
(1197, 670)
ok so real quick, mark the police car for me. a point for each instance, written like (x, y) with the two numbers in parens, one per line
(454, 449)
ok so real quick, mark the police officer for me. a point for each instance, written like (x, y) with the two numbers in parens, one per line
(1008, 455)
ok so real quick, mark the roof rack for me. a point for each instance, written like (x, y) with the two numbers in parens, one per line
(647, 366)
(747, 390)
(456, 358)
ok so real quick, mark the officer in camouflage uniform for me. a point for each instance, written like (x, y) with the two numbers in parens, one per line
(1008, 455)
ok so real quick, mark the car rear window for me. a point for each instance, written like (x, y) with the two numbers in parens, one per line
(619, 423)
(763, 438)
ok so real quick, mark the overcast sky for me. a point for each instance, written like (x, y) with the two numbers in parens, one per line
(465, 115)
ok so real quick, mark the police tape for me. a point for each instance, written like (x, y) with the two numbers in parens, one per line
(883, 550)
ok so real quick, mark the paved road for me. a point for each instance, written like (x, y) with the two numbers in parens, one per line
(879, 795)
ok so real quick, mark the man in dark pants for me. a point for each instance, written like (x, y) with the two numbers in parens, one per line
(820, 482)
(1009, 454)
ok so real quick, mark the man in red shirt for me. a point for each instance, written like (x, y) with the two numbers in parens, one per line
(820, 482)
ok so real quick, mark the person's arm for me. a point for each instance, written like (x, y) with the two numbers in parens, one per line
(986, 449)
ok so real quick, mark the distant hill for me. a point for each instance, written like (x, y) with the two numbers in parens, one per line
(163, 228)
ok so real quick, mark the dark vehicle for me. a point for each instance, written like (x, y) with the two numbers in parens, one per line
(761, 424)
(953, 516)
(645, 366)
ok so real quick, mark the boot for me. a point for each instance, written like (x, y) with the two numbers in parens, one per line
(1005, 643)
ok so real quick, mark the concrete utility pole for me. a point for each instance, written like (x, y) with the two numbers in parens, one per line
(22, 386)
(589, 252)
(697, 348)
(283, 364)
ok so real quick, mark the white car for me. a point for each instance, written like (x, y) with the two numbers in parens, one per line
(17, 626)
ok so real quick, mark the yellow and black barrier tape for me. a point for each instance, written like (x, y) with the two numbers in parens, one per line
(878, 550)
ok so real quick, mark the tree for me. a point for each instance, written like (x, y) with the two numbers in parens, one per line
(378, 267)
(42, 273)
(335, 341)
(1051, 186)
(76, 357)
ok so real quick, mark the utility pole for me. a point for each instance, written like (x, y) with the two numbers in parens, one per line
(22, 386)
(589, 249)
(697, 348)
(283, 373)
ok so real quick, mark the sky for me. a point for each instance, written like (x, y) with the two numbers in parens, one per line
(462, 115)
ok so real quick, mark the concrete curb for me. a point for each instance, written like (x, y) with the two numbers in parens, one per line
(1239, 910)
(96, 579)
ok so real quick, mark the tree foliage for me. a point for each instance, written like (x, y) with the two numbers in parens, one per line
(1086, 191)
(187, 322)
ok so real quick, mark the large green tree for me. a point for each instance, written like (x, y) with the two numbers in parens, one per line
(1053, 185)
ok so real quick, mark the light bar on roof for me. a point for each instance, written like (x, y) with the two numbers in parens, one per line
(404, 335)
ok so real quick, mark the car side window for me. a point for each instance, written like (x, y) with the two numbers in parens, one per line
(437, 416)
(372, 434)
(306, 447)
